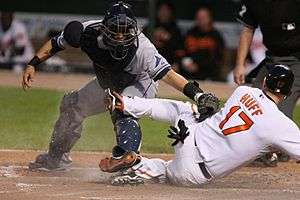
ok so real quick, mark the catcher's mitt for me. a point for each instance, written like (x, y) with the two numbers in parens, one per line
(208, 104)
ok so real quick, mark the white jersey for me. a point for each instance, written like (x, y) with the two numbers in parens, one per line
(246, 127)
(15, 37)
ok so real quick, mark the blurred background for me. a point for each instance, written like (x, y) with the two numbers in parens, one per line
(198, 37)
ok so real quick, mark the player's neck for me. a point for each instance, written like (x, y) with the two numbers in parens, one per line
(275, 98)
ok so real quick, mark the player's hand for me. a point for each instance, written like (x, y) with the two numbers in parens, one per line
(28, 77)
(239, 74)
(178, 135)
(113, 101)
(208, 104)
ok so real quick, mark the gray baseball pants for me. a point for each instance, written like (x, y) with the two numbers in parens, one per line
(80, 104)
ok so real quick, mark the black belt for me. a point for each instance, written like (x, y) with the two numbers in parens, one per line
(204, 170)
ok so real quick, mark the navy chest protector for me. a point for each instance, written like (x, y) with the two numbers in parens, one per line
(110, 72)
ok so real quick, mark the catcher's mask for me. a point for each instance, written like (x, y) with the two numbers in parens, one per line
(119, 29)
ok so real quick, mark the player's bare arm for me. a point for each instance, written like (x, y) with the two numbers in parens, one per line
(207, 103)
(175, 80)
(243, 49)
(45, 52)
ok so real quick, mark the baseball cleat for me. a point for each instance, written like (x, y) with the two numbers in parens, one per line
(66, 159)
(46, 163)
(127, 177)
(114, 164)
(283, 157)
(268, 159)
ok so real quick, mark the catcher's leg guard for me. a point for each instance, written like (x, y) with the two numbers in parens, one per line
(128, 133)
(66, 132)
(68, 127)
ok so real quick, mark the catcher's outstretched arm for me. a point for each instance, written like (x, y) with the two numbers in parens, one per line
(45, 52)
(175, 80)
(165, 110)
(70, 37)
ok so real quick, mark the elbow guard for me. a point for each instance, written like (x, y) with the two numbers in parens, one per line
(72, 33)
(55, 46)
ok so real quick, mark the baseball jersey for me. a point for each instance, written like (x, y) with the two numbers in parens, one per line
(142, 61)
(15, 44)
(246, 127)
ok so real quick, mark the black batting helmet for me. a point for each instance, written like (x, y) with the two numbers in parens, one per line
(119, 28)
(280, 79)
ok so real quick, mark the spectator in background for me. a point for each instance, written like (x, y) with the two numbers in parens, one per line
(15, 46)
(204, 48)
(166, 35)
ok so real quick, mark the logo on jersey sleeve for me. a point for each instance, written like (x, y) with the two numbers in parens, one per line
(158, 59)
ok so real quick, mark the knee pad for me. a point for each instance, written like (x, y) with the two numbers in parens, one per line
(69, 101)
(128, 133)
(68, 127)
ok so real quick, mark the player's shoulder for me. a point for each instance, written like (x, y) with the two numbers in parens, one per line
(145, 45)
(144, 41)
(92, 23)
(245, 88)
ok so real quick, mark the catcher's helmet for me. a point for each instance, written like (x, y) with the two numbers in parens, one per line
(120, 30)
(280, 79)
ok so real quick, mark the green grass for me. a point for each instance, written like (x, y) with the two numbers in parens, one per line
(27, 118)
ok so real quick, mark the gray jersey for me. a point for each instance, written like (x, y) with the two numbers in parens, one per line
(142, 62)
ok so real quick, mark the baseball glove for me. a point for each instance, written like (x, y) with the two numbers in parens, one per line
(208, 104)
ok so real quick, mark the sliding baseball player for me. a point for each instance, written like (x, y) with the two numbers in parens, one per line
(248, 125)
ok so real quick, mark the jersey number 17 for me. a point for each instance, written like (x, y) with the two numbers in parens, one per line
(235, 129)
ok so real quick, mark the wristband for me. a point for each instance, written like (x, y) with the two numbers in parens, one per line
(197, 96)
(192, 90)
(35, 61)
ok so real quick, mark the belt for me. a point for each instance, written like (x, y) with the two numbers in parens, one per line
(204, 170)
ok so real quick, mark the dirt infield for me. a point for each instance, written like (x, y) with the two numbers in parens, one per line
(85, 181)
(67, 82)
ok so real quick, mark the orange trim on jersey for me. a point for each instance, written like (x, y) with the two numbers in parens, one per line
(231, 112)
(238, 128)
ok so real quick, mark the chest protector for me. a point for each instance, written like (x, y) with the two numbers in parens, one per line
(109, 71)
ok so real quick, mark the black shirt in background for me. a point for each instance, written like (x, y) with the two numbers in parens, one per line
(279, 21)
(206, 50)
(169, 49)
